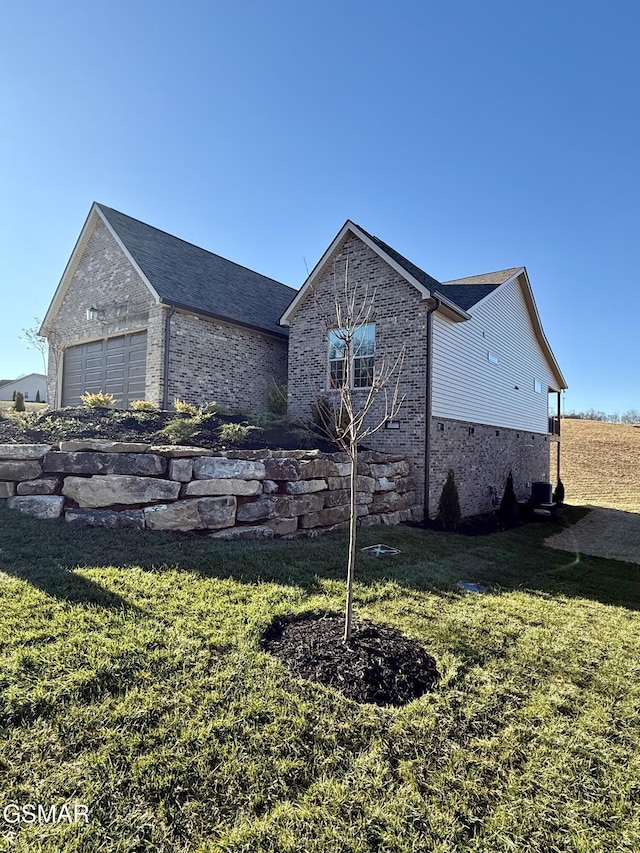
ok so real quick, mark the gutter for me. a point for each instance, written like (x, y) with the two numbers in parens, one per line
(427, 426)
(167, 352)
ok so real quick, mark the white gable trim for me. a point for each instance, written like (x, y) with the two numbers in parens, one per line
(95, 216)
(532, 308)
(353, 228)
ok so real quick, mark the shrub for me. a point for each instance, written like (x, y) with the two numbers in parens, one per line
(211, 408)
(558, 495)
(183, 408)
(326, 418)
(236, 432)
(509, 504)
(449, 505)
(179, 429)
(277, 399)
(23, 420)
(97, 399)
(143, 406)
(19, 402)
(38, 400)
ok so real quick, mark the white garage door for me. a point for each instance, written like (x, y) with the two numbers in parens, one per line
(114, 365)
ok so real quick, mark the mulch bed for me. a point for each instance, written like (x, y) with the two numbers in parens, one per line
(379, 665)
(53, 426)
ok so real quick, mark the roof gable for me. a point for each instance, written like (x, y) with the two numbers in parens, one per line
(186, 276)
(427, 286)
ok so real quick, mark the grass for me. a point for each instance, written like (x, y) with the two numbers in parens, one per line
(7, 406)
(132, 680)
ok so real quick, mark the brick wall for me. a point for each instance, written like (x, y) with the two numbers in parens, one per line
(481, 457)
(213, 360)
(399, 314)
(104, 277)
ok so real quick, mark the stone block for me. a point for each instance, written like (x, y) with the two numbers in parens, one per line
(38, 487)
(112, 520)
(221, 468)
(39, 506)
(7, 490)
(269, 487)
(282, 526)
(181, 469)
(314, 469)
(384, 484)
(325, 517)
(405, 484)
(103, 446)
(257, 532)
(390, 469)
(339, 497)
(301, 504)
(265, 507)
(223, 487)
(197, 514)
(282, 468)
(303, 487)
(343, 469)
(98, 491)
(338, 482)
(391, 501)
(177, 451)
(18, 470)
(247, 455)
(23, 451)
(91, 462)
(365, 484)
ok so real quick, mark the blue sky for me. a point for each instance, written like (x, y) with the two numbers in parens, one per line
(471, 136)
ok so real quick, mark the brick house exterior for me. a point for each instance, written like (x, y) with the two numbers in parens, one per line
(143, 314)
(129, 289)
(482, 386)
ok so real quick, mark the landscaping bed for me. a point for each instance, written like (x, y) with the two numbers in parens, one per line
(53, 426)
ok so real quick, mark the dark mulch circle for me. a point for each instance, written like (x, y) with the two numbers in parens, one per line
(379, 664)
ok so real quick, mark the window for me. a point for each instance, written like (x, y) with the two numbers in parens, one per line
(362, 341)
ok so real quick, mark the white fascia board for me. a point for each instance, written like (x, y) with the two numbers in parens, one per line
(69, 270)
(537, 324)
(128, 255)
(351, 226)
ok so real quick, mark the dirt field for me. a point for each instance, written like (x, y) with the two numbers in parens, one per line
(600, 464)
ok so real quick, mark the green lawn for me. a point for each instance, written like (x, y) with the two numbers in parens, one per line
(131, 680)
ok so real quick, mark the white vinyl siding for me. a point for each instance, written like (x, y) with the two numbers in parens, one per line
(484, 369)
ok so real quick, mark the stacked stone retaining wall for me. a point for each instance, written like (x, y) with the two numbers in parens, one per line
(251, 494)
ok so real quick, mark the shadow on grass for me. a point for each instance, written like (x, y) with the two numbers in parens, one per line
(45, 553)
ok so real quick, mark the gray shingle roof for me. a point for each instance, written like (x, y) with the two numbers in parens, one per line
(190, 277)
(463, 292)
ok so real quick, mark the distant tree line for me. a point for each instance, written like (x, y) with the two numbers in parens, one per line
(630, 417)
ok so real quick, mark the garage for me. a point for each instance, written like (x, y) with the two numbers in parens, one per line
(114, 365)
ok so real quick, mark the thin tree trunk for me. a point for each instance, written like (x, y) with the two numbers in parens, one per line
(351, 566)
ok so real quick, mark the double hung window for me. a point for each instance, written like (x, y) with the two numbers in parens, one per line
(352, 349)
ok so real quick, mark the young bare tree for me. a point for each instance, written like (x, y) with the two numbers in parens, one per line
(35, 340)
(351, 414)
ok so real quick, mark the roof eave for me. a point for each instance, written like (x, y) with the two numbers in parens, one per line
(190, 309)
(447, 306)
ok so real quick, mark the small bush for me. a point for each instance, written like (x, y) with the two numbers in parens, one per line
(179, 429)
(19, 402)
(449, 505)
(558, 495)
(211, 408)
(23, 420)
(509, 504)
(97, 399)
(143, 406)
(277, 399)
(38, 400)
(236, 432)
(188, 410)
(327, 418)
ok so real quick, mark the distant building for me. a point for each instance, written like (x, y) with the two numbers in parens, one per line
(33, 387)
